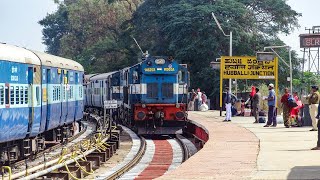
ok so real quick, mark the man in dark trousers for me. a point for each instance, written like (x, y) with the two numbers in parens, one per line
(256, 105)
(272, 107)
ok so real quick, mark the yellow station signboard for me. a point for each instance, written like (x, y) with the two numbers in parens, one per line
(247, 67)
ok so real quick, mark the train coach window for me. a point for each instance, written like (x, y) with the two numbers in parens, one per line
(81, 92)
(21, 95)
(64, 92)
(11, 95)
(1, 95)
(17, 95)
(59, 93)
(26, 91)
(38, 95)
(7, 95)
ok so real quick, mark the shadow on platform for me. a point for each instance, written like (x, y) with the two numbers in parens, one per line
(305, 172)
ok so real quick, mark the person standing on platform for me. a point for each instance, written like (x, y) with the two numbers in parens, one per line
(252, 93)
(227, 102)
(313, 99)
(204, 97)
(286, 108)
(295, 96)
(318, 124)
(199, 94)
(256, 105)
(193, 96)
(271, 107)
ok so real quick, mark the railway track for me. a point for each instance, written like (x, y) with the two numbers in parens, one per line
(83, 154)
(155, 157)
(149, 157)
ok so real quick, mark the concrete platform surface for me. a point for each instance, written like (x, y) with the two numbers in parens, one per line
(243, 150)
(230, 153)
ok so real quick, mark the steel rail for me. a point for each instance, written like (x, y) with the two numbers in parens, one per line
(132, 163)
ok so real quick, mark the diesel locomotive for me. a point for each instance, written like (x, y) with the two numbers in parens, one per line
(41, 98)
(151, 95)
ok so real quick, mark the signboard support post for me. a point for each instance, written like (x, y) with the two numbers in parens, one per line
(221, 88)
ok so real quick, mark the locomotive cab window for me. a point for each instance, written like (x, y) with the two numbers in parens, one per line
(135, 76)
(182, 76)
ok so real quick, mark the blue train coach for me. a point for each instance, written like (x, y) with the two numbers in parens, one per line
(41, 98)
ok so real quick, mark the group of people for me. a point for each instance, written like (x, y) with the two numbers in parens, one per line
(272, 112)
(198, 96)
(286, 103)
(256, 97)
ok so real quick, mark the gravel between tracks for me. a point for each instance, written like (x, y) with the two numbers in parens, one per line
(125, 146)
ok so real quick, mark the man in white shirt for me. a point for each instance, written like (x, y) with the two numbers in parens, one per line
(199, 94)
(227, 102)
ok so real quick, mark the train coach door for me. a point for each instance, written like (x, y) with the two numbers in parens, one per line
(64, 97)
(34, 81)
(77, 94)
(48, 96)
(30, 94)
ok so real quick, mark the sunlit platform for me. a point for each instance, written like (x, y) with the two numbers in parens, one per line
(243, 150)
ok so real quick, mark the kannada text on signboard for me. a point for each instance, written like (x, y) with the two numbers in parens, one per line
(247, 68)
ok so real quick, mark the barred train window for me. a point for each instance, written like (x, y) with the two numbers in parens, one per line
(71, 92)
(21, 95)
(1, 95)
(26, 95)
(11, 95)
(38, 95)
(17, 95)
(59, 93)
(64, 92)
(54, 94)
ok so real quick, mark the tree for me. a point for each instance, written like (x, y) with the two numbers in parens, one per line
(55, 26)
(91, 32)
(186, 29)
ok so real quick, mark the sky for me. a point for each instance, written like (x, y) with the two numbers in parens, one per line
(19, 21)
(309, 10)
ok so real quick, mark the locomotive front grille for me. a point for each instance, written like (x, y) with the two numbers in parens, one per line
(152, 90)
(167, 90)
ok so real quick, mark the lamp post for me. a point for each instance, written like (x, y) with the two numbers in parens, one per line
(230, 47)
(290, 62)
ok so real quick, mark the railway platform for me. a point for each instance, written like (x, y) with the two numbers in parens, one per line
(243, 150)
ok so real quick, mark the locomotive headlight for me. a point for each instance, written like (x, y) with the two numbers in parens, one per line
(144, 106)
(160, 61)
(141, 115)
(177, 105)
(180, 115)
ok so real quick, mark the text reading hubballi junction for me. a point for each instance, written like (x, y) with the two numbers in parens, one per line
(247, 68)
